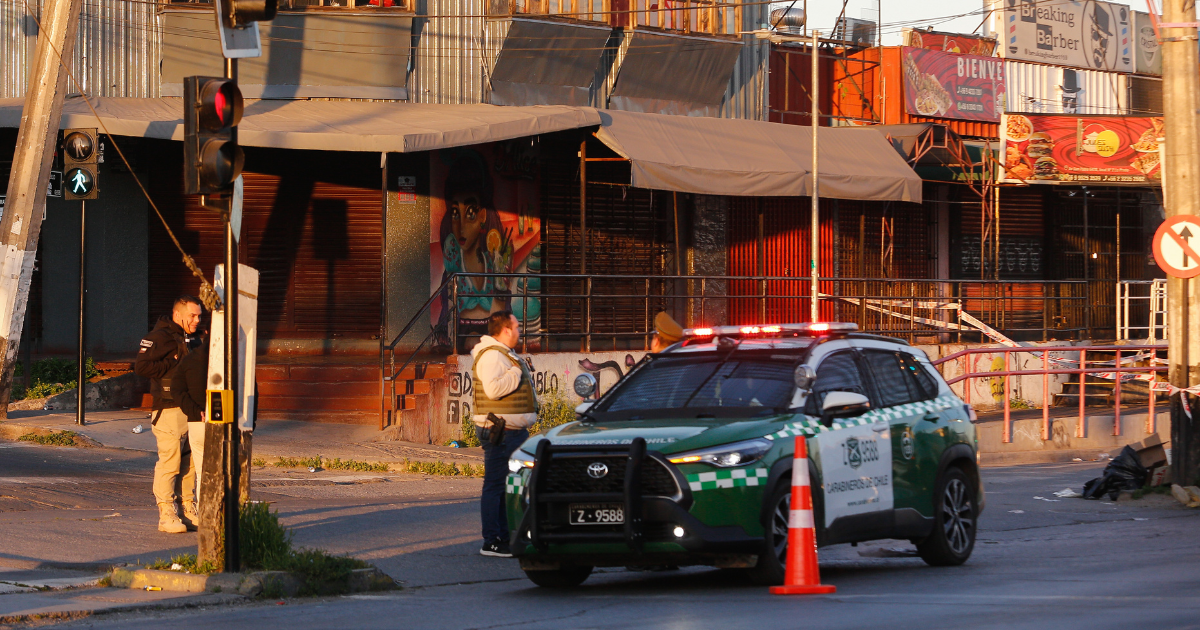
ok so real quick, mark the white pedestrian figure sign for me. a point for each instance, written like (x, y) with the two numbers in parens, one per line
(80, 182)
(1177, 246)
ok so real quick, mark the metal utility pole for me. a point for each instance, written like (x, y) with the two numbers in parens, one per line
(82, 304)
(26, 196)
(233, 431)
(1181, 181)
(814, 292)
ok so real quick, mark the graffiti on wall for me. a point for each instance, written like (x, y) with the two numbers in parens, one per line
(550, 372)
(484, 218)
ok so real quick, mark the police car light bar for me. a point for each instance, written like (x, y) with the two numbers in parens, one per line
(821, 328)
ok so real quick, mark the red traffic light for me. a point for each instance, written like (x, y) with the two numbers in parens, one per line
(219, 104)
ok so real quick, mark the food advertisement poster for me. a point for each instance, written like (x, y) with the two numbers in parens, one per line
(1052, 149)
(1148, 58)
(946, 85)
(950, 42)
(1089, 34)
(484, 219)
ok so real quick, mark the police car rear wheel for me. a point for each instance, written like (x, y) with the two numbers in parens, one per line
(566, 577)
(955, 512)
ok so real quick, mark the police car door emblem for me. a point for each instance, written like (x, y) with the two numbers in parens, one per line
(906, 443)
(596, 470)
(852, 453)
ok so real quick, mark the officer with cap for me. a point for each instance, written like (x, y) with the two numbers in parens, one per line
(667, 332)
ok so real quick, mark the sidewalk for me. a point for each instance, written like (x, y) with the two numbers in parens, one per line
(272, 438)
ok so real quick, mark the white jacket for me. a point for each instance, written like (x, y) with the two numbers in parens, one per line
(500, 378)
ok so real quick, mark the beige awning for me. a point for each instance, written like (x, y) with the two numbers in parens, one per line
(328, 125)
(721, 156)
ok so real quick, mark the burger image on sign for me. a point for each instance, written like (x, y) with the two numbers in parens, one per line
(1040, 145)
(1045, 168)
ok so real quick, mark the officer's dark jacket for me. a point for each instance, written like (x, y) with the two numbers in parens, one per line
(189, 383)
(156, 359)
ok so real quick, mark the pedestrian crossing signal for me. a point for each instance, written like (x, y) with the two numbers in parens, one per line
(80, 150)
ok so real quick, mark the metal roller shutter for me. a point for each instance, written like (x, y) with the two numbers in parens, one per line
(315, 242)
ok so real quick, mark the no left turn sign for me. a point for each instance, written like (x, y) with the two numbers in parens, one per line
(1177, 246)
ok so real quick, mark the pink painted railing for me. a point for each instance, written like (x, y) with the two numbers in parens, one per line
(1119, 371)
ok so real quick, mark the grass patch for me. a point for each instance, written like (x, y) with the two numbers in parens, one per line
(1145, 490)
(467, 431)
(258, 461)
(267, 546)
(299, 462)
(556, 409)
(350, 464)
(442, 468)
(1021, 403)
(48, 377)
(62, 438)
(184, 563)
(321, 463)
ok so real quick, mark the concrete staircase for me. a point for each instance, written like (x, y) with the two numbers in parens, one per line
(344, 390)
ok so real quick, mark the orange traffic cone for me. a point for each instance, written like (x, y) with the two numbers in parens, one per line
(801, 577)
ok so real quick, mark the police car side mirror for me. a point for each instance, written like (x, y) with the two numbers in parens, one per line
(804, 377)
(843, 405)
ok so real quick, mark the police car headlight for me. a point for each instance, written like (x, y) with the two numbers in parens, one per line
(726, 455)
(520, 459)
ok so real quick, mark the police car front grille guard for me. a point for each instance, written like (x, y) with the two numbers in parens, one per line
(633, 533)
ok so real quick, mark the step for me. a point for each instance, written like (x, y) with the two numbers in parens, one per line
(316, 372)
(318, 403)
(319, 388)
(331, 416)
(422, 370)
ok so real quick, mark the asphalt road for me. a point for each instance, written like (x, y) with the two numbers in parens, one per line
(1039, 563)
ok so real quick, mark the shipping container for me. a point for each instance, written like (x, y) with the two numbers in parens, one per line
(871, 91)
(1041, 89)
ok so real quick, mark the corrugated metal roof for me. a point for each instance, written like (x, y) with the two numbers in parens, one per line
(117, 48)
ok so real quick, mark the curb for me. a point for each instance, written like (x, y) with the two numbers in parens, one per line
(274, 583)
(194, 601)
(14, 431)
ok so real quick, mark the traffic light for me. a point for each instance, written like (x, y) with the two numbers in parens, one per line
(240, 13)
(212, 159)
(80, 148)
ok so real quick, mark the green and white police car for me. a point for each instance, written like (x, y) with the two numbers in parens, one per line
(687, 460)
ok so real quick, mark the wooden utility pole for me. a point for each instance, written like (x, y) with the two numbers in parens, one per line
(26, 202)
(1181, 183)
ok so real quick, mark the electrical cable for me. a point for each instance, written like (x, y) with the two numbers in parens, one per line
(208, 295)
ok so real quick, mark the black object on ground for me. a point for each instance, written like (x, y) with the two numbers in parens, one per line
(1124, 472)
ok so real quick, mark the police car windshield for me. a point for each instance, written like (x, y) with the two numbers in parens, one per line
(697, 386)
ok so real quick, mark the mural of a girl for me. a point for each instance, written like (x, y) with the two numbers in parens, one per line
(469, 223)
(479, 229)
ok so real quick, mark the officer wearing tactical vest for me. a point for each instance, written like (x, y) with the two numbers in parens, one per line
(505, 407)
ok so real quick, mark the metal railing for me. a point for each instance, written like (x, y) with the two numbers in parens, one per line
(1116, 368)
(615, 312)
(1142, 301)
(712, 17)
(591, 313)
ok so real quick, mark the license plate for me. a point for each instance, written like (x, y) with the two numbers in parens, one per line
(597, 514)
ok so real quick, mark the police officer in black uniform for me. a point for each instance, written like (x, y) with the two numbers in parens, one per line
(158, 358)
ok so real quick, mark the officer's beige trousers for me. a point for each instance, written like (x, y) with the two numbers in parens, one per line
(170, 430)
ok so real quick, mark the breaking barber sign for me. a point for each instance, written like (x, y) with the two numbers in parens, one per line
(1177, 246)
